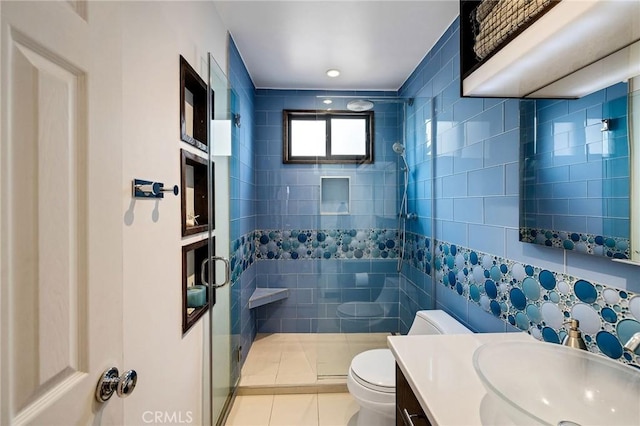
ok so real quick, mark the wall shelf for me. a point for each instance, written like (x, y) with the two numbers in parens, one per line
(194, 209)
(193, 107)
(192, 257)
(573, 49)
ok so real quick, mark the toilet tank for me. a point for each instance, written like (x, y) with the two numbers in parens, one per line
(436, 322)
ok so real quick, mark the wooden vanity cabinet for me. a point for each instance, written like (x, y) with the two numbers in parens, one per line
(408, 409)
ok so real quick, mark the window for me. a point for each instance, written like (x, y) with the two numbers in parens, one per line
(313, 137)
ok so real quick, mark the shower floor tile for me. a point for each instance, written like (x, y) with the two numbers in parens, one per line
(293, 359)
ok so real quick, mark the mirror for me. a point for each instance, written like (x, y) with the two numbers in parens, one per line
(575, 173)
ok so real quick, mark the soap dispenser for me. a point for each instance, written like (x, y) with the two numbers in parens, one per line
(574, 338)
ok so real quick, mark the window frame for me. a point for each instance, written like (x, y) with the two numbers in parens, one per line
(326, 116)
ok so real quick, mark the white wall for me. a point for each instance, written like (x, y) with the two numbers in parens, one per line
(170, 366)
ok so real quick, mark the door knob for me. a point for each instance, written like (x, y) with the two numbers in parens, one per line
(111, 382)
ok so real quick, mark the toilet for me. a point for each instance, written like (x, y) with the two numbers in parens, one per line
(371, 380)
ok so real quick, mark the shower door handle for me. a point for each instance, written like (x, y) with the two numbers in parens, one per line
(227, 271)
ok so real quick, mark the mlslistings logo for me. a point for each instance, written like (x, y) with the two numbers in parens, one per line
(167, 417)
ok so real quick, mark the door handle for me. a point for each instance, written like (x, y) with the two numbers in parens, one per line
(111, 382)
(226, 271)
(407, 418)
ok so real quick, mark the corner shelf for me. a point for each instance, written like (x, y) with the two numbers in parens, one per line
(262, 296)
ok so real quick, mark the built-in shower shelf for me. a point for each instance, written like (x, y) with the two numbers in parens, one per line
(262, 296)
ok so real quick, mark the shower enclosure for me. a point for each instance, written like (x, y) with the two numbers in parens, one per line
(340, 271)
(218, 382)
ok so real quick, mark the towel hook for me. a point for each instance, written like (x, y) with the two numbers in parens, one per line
(149, 189)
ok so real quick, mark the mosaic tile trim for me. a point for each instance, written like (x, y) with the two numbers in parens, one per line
(540, 301)
(530, 298)
(614, 247)
(418, 252)
(327, 244)
(242, 255)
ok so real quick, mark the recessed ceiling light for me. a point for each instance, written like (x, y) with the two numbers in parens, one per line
(328, 101)
(333, 73)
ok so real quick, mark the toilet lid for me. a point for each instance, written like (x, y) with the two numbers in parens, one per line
(375, 369)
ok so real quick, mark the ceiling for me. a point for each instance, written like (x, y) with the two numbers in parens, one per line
(376, 44)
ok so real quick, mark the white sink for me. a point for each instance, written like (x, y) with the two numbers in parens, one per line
(545, 383)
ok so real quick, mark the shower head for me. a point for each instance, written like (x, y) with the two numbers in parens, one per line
(398, 148)
(359, 105)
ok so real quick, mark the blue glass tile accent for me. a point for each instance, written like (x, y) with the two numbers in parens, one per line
(531, 288)
(490, 289)
(534, 314)
(550, 335)
(609, 345)
(585, 291)
(609, 315)
(522, 322)
(547, 279)
(518, 299)
(495, 308)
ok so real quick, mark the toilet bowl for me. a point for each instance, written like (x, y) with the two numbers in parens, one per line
(371, 378)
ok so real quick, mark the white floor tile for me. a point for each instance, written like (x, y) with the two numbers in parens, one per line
(250, 410)
(294, 410)
(309, 378)
(276, 358)
(337, 409)
(258, 380)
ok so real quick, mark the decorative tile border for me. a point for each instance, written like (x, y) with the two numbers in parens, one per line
(242, 255)
(614, 247)
(540, 301)
(317, 244)
(327, 244)
(418, 252)
(530, 298)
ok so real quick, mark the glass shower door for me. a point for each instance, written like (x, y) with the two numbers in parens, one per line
(218, 339)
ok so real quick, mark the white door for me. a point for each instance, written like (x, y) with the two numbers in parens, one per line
(61, 191)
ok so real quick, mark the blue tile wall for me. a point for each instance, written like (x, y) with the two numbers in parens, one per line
(287, 195)
(479, 271)
(338, 280)
(463, 251)
(242, 207)
(330, 296)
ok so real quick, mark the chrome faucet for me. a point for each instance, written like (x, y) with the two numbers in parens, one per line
(633, 343)
(574, 338)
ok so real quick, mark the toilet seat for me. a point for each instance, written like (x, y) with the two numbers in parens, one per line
(375, 369)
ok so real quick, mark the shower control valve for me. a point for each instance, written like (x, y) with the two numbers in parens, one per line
(409, 216)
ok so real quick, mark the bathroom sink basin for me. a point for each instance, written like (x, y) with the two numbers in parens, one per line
(545, 383)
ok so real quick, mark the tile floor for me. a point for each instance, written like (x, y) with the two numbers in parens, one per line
(283, 359)
(304, 361)
(321, 409)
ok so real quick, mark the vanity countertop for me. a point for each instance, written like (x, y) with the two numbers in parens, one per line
(440, 371)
